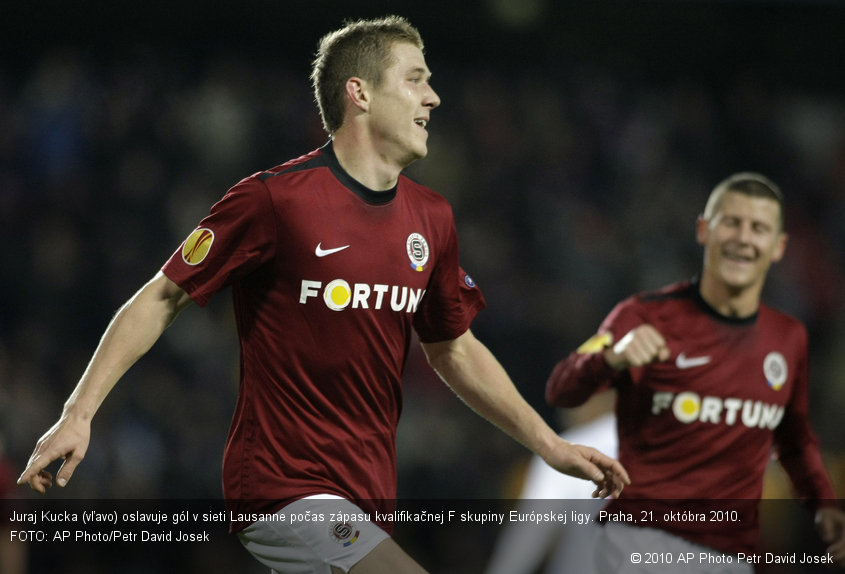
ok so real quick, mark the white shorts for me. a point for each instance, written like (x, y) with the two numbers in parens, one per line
(311, 535)
(625, 549)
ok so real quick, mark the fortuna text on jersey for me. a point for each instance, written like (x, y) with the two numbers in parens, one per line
(689, 407)
(338, 294)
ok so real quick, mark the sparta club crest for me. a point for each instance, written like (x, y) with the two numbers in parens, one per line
(417, 248)
(344, 533)
(775, 370)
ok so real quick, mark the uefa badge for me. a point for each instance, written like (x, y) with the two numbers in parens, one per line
(775, 370)
(197, 245)
(344, 533)
(417, 248)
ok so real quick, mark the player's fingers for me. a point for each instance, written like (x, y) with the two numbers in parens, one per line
(611, 467)
(657, 350)
(831, 527)
(826, 530)
(616, 477)
(609, 477)
(40, 482)
(837, 550)
(643, 352)
(643, 355)
(33, 468)
(44, 480)
(66, 470)
(611, 487)
(621, 472)
(654, 344)
(25, 476)
(637, 356)
(653, 336)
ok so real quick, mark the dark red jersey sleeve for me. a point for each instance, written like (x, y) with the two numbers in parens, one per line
(797, 446)
(584, 372)
(452, 299)
(235, 238)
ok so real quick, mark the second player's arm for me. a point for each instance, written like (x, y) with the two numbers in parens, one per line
(475, 375)
(131, 333)
(590, 370)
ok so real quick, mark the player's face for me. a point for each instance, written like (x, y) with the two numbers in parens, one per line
(741, 240)
(401, 106)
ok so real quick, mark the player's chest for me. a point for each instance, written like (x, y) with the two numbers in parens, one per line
(727, 362)
(733, 378)
(377, 246)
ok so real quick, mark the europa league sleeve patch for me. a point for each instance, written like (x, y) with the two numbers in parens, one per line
(196, 246)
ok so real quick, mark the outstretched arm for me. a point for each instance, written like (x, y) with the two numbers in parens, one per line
(131, 333)
(472, 371)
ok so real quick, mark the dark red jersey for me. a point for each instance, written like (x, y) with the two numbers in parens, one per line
(704, 424)
(329, 279)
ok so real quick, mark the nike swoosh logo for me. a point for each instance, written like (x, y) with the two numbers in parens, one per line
(684, 362)
(320, 252)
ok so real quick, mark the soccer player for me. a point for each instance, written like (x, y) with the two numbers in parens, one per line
(334, 259)
(709, 380)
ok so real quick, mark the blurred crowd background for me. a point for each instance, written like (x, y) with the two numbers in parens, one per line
(577, 142)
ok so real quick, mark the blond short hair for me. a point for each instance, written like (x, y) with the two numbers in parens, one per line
(361, 48)
(747, 183)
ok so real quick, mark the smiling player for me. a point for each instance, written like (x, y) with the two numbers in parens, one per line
(334, 260)
(709, 379)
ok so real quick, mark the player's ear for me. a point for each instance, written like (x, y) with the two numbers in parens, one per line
(780, 247)
(702, 230)
(357, 93)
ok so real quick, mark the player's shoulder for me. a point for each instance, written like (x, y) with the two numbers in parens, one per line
(649, 306)
(267, 177)
(281, 181)
(412, 184)
(778, 320)
(313, 160)
(423, 199)
(675, 292)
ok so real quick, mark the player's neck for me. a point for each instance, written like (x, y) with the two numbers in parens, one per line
(734, 302)
(361, 161)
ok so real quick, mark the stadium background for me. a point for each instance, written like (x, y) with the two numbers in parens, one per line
(577, 142)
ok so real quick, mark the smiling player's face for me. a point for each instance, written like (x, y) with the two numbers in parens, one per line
(741, 241)
(401, 106)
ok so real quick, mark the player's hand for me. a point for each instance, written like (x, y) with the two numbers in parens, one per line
(640, 346)
(609, 476)
(67, 439)
(830, 523)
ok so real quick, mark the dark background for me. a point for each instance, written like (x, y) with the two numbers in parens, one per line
(577, 142)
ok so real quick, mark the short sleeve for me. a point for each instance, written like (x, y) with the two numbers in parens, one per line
(452, 299)
(236, 237)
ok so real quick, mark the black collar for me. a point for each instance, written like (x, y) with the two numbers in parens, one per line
(355, 186)
(695, 285)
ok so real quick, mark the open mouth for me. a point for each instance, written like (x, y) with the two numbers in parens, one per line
(738, 257)
(421, 123)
